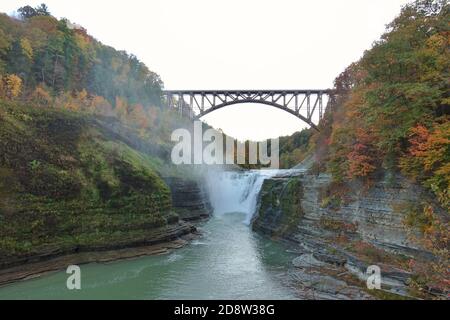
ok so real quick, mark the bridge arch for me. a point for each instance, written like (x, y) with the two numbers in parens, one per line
(275, 105)
(303, 104)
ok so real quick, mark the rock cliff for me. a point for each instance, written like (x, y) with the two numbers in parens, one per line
(342, 234)
(189, 200)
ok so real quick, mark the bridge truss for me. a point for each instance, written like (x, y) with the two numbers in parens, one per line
(307, 105)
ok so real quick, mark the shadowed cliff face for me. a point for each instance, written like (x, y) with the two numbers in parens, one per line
(362, 227)
(189, 200)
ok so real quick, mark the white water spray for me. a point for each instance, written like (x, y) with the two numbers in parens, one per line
(232, 192)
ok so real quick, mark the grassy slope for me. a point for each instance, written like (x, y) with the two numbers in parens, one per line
(65, 184)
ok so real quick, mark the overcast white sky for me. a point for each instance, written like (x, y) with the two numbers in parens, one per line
(236, 44)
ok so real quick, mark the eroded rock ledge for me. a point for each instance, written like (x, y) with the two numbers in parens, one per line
(189, 199)
(341, 238)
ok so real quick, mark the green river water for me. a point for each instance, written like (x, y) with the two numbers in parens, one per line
(228, 262)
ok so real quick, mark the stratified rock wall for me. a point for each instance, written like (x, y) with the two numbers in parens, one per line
(189, 200)
(374, 214)
(341, 236)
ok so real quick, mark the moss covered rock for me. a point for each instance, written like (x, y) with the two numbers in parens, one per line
(280, 210)
(66, 184)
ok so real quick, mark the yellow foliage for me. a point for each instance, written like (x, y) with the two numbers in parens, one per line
(11, 86)
(81, 41)
(437, 41)
(27, 50)
(41, 96)
(82, 95)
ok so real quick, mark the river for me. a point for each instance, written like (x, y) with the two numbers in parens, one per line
(229, 261)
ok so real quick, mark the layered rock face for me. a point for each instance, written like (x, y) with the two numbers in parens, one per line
(342, 235)
(189, 199)
(375, 215)
(189, 203)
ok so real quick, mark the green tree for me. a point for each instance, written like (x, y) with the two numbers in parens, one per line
(42, 10)
(27, 12)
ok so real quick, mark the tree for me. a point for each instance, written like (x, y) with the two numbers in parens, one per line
(428, 158)
(42, 10)
(27, 50)
(41, 96)
(121, 108)
(138, 116)
(11, 86)
(100, 105)
(41, 49)
(361, 159)
(5, 44)
(27, 12)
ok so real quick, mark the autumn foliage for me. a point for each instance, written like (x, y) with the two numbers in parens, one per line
(362, 157)
(428, 158)
(390, 117)
(391, 111)
(55, 64)
(10, 86)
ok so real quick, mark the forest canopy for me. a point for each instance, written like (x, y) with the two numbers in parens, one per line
(56, 56)
(392, 110)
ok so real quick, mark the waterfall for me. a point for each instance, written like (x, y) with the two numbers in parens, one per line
(232, 191)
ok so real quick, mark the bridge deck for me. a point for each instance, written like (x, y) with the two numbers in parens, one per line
(252, 91)
(306, 104)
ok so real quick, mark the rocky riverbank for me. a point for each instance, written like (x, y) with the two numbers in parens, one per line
(159, 242)
(75, 183)
(337, 239)
(190, 203)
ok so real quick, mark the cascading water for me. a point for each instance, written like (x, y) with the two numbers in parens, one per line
(233, 192)
(228, 262)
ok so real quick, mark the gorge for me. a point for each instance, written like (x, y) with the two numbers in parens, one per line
(229, 261)
(88, 177)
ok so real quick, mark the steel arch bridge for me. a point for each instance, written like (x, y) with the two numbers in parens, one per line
(307, 105)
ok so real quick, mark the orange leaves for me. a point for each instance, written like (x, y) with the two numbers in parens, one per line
(428, 158)
(47, 24)
(437, 146)
(430, 147)
(361, 159)
(359, 165)
(419, 137)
